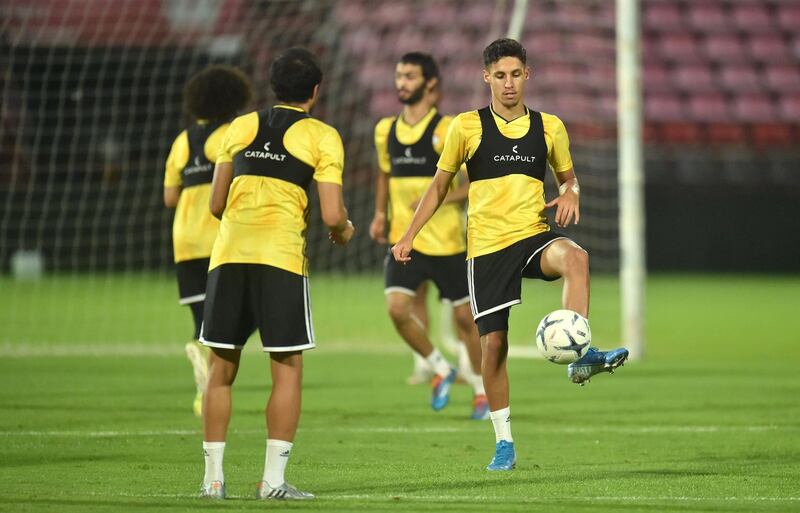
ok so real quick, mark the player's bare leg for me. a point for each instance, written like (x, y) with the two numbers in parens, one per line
(468, 333)
(422, 372)
(283, 407)
(399, 306)
(282, 415)
(495, 379)
(224, 364)
(566, 259)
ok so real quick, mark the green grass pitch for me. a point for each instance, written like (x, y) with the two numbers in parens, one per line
(95, 406)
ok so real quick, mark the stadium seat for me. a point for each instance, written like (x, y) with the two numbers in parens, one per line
(708, 107)
(662, 16)
(694, 78)
(590, 46)
(475, 15)
(392, 14)
(723, 47)
(656, 77)
(788, 16)
(431, 14)
(351, 13)
(663, 107)
(772, 134)
(601, 77)
(725, 133)
(753, 107)
(752, 17)
(557, 75)
(741, 78)
(573, 17)
(681, 132)
(572, 107)
(679, 46)
(782, 78)
(769, 48)
(705, 17)
(789, 107)
(543, 42)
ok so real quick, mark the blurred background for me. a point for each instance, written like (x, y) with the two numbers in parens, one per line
(91, 102)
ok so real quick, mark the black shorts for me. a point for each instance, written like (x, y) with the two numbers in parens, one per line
(243, 297)
(495, 280)
(192, 276)
(449, 273)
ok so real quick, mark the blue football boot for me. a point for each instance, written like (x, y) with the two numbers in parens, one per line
(505, 458)
(441, 390)
(595, 362)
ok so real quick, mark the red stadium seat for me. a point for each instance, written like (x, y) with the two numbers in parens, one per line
(574, 16)
(788, 16)
(543, 43)
(754, 107)
(590, 46)
(725, 133)
(662, 16)
(601, 77)
(740, 78)
(783, 78)
(707, 17)
(431, 14)
(663, 107)
(351, 13)
(708, 107)
(752, 17)
(679, 46)
(656, 77)
(557, 75)
(694, 78)
(789, 107)
(769, 48)
(724, 48)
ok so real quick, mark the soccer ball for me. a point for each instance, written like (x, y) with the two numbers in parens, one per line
(563, 336)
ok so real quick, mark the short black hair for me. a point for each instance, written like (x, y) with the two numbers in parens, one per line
(425, 61)
(217, 93)
(504, 47)
(294, 74)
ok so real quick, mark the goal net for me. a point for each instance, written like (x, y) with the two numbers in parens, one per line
(91, 101)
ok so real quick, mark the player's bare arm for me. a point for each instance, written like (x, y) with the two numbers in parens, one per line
(377, 228)
(568, 201)
(428, 206)
(171, 196)
(334, 213)
(220, 184)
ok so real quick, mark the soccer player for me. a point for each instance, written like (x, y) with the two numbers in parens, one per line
(506, 147)
(258, 275)
(408, 146)
(212, 98)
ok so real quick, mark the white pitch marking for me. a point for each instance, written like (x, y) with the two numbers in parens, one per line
(414, 430)
(466, 496)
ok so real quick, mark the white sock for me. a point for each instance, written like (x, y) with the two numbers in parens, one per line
(465, 369)
(501, 420)
(477, 384)
(421, 365)
(275, 461)
(440, 365)
(213, 453)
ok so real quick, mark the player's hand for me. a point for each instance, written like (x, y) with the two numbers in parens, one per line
(402, 251)
(343, 237)
(377, 228)
(567, 208)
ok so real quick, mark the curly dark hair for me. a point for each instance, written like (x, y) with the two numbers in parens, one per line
(217, 93)
(294, 74)
(500, 48)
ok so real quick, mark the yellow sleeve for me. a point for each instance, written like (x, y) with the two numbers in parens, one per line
(382, 143)
(214, 142)
(239, 135)
(558, 150)
(454, 152)
(176, 160)
(330, 165)
(440, 133)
